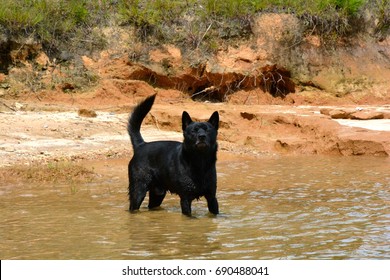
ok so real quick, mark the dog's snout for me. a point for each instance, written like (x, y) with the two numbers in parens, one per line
(202, 136)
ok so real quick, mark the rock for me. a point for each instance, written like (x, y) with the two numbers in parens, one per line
(87, 113)
(386, 115)
(367, 115)
(338, 114)
(357, 146)
(19, 106)
(43, 60)
(325, 111)
(248, 116)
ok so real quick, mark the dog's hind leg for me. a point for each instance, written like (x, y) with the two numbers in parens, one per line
(136, 201)
(140, 181)
(212, 204)
(137, 193)
(156, 197)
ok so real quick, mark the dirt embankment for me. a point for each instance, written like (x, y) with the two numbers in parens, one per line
(65, 133)
(278, 92)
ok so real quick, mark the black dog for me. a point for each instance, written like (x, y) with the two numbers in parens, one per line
(187, 169)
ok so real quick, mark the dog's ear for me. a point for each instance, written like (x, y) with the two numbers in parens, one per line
(185, 120)
(214, 120)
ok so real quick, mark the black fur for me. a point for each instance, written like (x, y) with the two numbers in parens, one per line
(187, 169)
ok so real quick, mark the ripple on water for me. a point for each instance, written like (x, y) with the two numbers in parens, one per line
(271, 208)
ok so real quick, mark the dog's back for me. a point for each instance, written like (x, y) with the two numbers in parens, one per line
(153, 156)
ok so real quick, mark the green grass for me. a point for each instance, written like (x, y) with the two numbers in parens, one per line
(44, 18)
(48, 18)
(51, 21)
(192, 23)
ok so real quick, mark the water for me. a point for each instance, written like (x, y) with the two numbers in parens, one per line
(271, 208)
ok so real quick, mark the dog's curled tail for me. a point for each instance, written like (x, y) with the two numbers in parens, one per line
(136, 118)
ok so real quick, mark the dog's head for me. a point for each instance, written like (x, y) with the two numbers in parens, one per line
(200, 136)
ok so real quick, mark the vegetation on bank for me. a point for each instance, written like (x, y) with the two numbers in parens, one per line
(233, 17)
(190, 22)
(55, 22)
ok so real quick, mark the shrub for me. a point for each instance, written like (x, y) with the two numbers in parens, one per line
(382, 9)
(233, 18)
(51, 21)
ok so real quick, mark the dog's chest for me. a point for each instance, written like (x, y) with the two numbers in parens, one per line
(192, 182)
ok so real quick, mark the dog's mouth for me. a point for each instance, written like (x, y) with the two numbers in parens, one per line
(201, 145)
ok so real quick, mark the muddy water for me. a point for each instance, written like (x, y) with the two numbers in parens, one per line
(271, 208)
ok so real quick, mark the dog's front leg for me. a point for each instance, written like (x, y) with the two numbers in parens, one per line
(185, 204)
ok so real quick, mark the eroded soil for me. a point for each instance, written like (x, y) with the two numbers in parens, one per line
(56, 128)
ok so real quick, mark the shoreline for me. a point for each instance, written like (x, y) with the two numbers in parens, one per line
(44, 135)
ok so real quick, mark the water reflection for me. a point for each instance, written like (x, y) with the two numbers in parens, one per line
(271, 208)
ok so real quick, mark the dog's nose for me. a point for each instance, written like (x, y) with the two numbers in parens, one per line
(202, 137)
